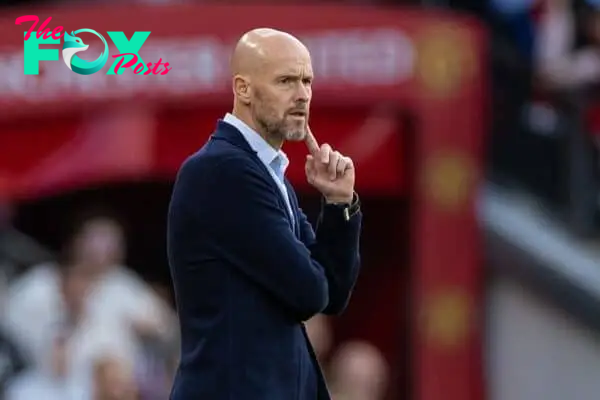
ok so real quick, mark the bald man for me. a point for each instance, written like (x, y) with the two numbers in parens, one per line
(248, 269)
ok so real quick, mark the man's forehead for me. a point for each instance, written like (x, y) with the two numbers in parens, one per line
(293, 64)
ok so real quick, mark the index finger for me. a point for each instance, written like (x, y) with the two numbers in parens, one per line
(311, 142)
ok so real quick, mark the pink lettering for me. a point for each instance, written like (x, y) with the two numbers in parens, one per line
(55, 34)
(140, 67)
(43, 30)
(148, 71)
(28, 18)
(48, 34)
(129, 64)
(166, 70)
(155, 70)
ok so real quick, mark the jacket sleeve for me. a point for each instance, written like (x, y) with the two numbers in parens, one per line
(237, 208)
(336, 246)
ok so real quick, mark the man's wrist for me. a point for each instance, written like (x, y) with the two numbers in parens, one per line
(338, 200)
(341, 199)
(349, 208)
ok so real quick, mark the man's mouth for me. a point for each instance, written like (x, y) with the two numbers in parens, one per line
(298, 113)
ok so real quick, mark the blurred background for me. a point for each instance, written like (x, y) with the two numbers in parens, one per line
(474, 126)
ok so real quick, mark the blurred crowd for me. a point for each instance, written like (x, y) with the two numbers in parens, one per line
(356, 370)
(546, 115)
(82, 326)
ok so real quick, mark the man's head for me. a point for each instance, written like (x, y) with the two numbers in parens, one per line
(272, 79)
(99, 244)
(359, 372)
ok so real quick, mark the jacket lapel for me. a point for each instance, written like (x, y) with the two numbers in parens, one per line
(295, 207)
(230, 134)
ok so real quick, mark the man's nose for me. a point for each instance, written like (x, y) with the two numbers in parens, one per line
(303, 92)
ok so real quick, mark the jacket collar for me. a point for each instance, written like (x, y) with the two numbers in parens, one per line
(231, 134)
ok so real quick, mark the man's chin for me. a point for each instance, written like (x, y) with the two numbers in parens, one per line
(296, 136)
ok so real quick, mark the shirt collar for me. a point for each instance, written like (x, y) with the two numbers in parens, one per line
(267, 154)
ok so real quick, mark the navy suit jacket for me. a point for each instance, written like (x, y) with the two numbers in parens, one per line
(246, 279)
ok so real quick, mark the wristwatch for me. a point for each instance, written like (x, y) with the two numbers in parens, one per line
(348, 210)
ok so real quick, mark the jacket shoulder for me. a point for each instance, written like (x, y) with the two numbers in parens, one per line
(217, 157)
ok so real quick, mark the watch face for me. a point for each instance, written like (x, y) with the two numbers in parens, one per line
(347, 214)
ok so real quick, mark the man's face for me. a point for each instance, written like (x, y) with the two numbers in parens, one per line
(281, 97)
(99, 244)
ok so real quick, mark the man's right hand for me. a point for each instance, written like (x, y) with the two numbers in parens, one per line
(329, 172)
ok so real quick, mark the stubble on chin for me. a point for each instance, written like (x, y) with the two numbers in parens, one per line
(295, 136)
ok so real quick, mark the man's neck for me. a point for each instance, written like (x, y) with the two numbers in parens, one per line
(275, 143)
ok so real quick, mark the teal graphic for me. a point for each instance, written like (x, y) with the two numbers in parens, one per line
(73, 44)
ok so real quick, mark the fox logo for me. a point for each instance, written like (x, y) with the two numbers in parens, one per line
(72, 45)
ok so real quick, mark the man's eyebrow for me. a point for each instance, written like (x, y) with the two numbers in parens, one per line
(291, 74)
(296, 75)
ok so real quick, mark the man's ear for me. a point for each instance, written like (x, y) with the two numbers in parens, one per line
(242, 88)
